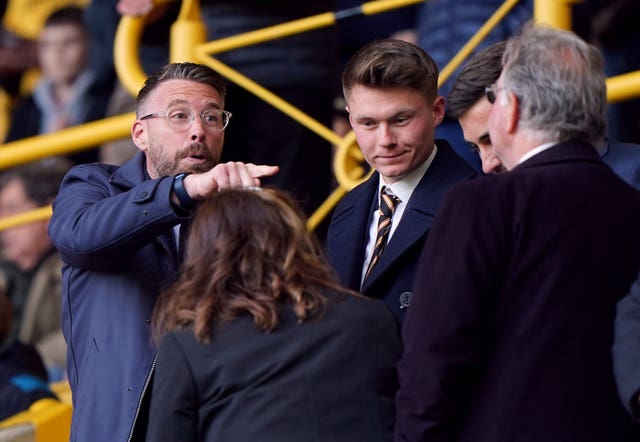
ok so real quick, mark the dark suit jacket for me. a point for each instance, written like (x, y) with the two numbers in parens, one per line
(624, 159)
(626, 350)
(328, 380)
(510, 331)
(349, 230)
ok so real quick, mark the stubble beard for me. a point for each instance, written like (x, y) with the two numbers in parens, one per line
(164, 165)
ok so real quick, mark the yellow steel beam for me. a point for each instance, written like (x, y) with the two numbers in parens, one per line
(69, 140)
(623, 87)
(473, 42)
(40, 214)
(126, 57)
(187, 32)
(555, 13)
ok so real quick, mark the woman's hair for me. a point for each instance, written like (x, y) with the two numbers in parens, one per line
(248, 251)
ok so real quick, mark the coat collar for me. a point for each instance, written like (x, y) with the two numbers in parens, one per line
(131, 173)
(561, 152)
(421, 209)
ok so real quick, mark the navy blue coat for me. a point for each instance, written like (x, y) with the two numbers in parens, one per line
(113, 229)
(349, 230)
(510, 332)
(624, 159)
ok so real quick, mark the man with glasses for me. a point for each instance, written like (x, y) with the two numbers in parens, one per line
(470, 100)
(510, 331)
(119, 232)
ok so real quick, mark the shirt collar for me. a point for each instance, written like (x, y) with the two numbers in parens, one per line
(404, 187)
(537, 150)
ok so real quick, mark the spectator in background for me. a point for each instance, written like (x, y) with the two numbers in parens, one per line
(23, 378)
(66, 94)
(259, 342)
(30, 270)
(445, 26)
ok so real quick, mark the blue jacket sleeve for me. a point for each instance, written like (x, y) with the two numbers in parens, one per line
(626, 350)
(95, 222)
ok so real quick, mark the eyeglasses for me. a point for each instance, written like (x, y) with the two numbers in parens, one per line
(491, 93)
(181, 119)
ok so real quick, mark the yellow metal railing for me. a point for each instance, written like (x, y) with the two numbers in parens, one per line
(188, 43)
(50, 420)
(47, 420)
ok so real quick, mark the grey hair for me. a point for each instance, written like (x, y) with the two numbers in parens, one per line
(560, 83)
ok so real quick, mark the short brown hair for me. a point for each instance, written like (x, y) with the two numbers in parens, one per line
(482, 70)
(389, 63)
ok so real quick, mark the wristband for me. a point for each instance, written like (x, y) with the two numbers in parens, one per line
(178, 188)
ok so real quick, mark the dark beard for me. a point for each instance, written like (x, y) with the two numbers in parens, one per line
(164, 168)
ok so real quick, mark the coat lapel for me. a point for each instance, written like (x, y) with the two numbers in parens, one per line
(418, 215)
(351, 228)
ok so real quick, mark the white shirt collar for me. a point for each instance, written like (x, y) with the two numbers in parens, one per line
(537, 150)
(404, 187)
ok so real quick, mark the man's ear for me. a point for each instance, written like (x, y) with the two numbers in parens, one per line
(438, 110)
(349, 115)
(139, 136)
(512, 106)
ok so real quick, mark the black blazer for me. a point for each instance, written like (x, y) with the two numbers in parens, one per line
(330, 380)
(348, 234)
(509, 335)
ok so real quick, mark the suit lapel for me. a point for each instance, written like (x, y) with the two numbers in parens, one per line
(418, 215)
(352, 227)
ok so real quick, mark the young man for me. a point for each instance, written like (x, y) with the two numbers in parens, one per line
(119, 231)
(390, 87)
(66, 94)
(509, 337)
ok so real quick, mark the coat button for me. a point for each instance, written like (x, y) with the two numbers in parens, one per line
(405, 299)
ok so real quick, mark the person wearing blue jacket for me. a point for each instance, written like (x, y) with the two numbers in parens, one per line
(119, 230)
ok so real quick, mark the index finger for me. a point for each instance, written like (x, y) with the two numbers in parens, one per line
(260, 170)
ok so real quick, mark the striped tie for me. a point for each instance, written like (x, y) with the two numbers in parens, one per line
(388, 204)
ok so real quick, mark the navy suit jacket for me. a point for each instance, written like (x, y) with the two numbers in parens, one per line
(509, 335)
(349, 230)
(624, 159)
